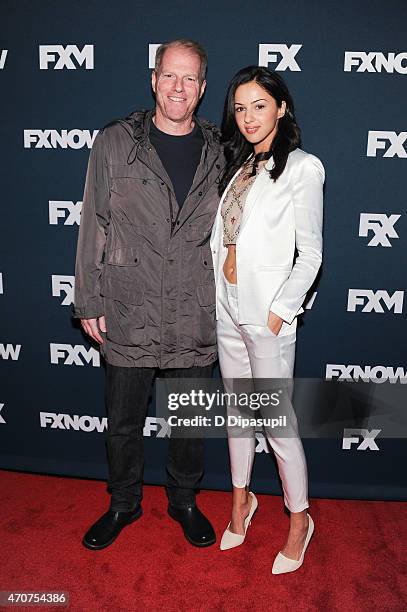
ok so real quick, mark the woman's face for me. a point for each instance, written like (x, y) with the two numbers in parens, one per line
(257, 115)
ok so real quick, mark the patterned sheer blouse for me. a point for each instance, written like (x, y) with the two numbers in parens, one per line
(234, 201)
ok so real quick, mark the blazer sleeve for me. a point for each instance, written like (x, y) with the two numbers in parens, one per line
(88, 303)
(307, 196)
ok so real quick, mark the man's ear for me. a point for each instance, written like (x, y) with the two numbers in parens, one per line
(203, 87)
(153, 80)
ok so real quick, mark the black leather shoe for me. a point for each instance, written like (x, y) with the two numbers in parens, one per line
(107, 528)
(197, 529)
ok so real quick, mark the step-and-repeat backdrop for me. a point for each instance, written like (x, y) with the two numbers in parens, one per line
(67, 69)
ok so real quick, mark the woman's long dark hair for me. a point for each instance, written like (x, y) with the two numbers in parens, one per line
(237, 148)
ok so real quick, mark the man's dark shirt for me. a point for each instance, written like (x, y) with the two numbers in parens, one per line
(180, 156)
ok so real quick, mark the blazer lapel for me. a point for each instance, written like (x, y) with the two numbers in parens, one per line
(252, 197)
(262, 181)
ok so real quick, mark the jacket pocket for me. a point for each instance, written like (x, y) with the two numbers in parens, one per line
(205, 319)
(206, 257)
(129, 171)
(125, 312)
(124, 256)
(206, 295)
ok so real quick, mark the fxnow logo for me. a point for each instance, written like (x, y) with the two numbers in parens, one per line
(375, 62)
(10, 351)
(3, 57)
(86, 423)
(368, 373)
(52, 139)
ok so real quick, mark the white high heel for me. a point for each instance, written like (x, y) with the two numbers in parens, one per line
(283, 564)
(230, 539)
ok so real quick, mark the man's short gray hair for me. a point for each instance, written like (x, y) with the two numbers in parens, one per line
(185, 43)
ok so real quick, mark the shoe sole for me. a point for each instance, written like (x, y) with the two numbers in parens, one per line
(90, 547)
(197, 544)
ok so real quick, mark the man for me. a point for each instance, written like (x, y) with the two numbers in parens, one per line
(144, 283)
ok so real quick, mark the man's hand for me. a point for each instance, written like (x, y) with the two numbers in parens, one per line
(91, 327)
(274, 323)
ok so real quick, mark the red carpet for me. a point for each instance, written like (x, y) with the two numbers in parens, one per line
(355, 561)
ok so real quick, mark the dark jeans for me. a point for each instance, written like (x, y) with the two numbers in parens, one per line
(127, 395)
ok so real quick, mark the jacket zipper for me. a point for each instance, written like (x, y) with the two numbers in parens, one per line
(172, 218)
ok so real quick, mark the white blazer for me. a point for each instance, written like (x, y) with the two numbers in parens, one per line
(278, 217)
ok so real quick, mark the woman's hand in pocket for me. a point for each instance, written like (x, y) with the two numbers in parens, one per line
(274, 323)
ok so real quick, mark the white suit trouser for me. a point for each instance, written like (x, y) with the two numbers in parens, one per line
(254, 352)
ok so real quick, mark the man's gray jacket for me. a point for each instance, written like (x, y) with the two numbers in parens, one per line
(141, 261)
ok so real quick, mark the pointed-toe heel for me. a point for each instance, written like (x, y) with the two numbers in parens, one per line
(230, 539)
(283, 565)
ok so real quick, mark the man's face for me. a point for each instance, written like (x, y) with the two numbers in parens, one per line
(176, 86)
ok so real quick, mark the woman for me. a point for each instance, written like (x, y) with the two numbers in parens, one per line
(271, 206)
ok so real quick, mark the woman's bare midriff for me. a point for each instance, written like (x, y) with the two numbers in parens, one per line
(229, 266)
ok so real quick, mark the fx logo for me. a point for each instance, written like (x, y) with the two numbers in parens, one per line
(3, 57)
(74, 355)
(10, 351)
(269, 54)
(62, 57)
(70, 211)
(378, 140)
(382, 227)
(64, 284)
(261, 446)
(2, 420)
(374, 62)
(157, 425)
(152, 50)
(352, 436)
(373, 300)
(51, 139)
